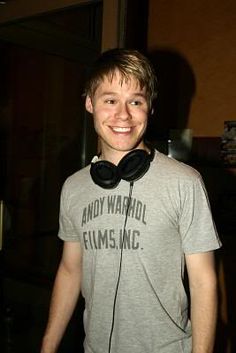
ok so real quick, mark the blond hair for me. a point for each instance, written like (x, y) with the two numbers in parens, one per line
(130, 64)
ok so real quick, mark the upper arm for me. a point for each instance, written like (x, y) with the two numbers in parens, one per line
(201, 269)
(71, 259)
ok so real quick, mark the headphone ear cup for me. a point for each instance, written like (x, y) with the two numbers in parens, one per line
(130, 168)
(134, 165)
(105, 174)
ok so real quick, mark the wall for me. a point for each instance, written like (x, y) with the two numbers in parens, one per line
(193, 47)
(204, 34)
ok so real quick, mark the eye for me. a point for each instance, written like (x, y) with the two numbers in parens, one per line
(110, 101)
(136, 102)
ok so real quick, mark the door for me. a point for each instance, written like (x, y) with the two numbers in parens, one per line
(44, 137)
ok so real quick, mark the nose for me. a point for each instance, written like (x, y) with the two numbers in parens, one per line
(123, 112)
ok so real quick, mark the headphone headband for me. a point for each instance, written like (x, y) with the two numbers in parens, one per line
(130, 168)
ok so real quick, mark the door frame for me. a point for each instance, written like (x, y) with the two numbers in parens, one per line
(23, 9)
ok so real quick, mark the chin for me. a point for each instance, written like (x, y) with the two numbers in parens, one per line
(126, 148)
(122, 146)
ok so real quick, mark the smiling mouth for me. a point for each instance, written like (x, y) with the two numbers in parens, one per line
(121, 129)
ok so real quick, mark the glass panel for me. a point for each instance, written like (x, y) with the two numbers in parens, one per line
(44, 137)
(43, 116)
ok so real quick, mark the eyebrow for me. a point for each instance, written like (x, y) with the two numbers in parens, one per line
(136, 94)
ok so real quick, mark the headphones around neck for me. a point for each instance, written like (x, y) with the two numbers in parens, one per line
(130, 168)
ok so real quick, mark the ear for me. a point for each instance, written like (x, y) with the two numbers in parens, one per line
(88, 104)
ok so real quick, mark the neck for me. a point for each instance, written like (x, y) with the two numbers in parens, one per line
(115, 156)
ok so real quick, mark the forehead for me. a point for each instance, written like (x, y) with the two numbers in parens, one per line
(119, 81)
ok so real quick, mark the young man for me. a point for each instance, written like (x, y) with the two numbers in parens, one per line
(131, 222)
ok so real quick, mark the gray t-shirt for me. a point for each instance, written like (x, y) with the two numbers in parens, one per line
(169, 216)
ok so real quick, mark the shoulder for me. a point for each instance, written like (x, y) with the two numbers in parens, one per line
(168, 167)
(80, 179)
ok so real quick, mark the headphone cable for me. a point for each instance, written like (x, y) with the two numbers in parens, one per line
(120, 266)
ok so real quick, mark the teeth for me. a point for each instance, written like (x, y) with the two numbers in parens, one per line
(121, 129)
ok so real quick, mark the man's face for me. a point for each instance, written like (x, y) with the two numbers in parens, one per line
(120, 112)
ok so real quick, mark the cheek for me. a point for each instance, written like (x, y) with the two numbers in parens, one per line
(143, 117)
(143, 124)
(100, 118)
(139, 112)
(101, 113)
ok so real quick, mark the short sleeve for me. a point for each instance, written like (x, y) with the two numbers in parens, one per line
(67, 230)
(196, 226)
